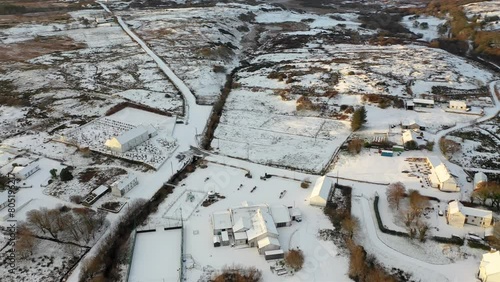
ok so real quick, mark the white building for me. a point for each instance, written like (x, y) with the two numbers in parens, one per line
(23, 172)
(4, 199)
(458, 215)
(409, 135)
(268, 244)
(295, 214)
(489, 269)
(262, 226)
(240, 238)
(281, 216)
(458, 105)
(440, 177)
(122, 186)
(479, 178)
(412, 124)
(321, 192)
(221, 221)
(131, 138)
(427, 103)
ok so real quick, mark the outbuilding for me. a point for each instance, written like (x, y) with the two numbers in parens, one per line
(440, 177)
(479, 178)
(424, 103)
(276, 254)
(295, 214)
(268, 244)
(387, 153)
(489, 268)
(221, 221)
(240, 238)
(320, 194)
(131, 138)
(281, 216)
(23, 172)
(224, 236)
(122, 186)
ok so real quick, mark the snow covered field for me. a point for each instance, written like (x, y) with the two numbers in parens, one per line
(430, 29)
(157, 256)
(485, 9)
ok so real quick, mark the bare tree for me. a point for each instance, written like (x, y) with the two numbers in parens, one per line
(295, 259)
(395, 192)
(422, 228)
(417, 202)
(25, 241)
(350, 225)
(45, 220)
(355, 146)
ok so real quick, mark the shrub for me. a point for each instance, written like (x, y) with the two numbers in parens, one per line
(295, 259)
(238, 273)
(304, 184)
(65, 174)
(219, 69)
(478, 245)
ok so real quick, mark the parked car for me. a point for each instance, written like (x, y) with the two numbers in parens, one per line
(440, 213)
(468, 179)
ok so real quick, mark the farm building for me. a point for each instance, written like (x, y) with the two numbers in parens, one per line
(221, 221)
(440, 177)
(424, 103)
(131, 138)
(122, 186)
(408, 135)
(458, 215)
(489, 268)
(23, 172)
(224, 238)
(281, 216)
(262, 226)
(240, 238)
(4, 199)
(458, 105)
(276, 254)
(321, 192)
(412, 124)
(295, 214)
(409, 105)
(397, 148)
(95, 195)
(479, 178)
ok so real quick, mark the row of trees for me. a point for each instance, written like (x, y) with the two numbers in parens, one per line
(358, 118)
(78, 225)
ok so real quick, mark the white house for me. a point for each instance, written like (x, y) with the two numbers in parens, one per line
(4, 199)
(281, 216)
(268, 244)
(321, 192)
(262, 226)
(221, 221)
(479, 178)
(458, 215)
(409, 135)
(131, 138)
(412, 124)
(489, 268)
(23, 172)
(458, 105)
(122, 186)
(440, 177)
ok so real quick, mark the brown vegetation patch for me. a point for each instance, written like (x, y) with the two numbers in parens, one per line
(39, 46)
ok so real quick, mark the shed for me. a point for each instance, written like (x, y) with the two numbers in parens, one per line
(295, 214)
(4, 199)
(479, 178)
(281, 216)
(224, 238)
(386, 153)
(23, 172)
(216, 241)
(122, 186)
(320, 194)
(275, 254)
(489, 268)
(130, 138)
(427, 103)
(409, 105)
(397, 148)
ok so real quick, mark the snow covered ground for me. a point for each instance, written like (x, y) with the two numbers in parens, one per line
(485, 10)
(157, 256)
(427, 26)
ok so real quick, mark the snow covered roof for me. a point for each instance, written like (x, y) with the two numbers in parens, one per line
(423, 101)
(477, 212)
(443, 174)
(480, 177)
(4, 196)
(268, 241)
(456, 206)
(322, 188)
(434, 161)
(25, 169)
(124, 182)
(295, 212)
(274, 252)
(224, 236)
(242, 224)
(262, 223)
(408, 122)
(490, 263)
(280, 214)
(408, 135)
(410, 103)
(240, 236)
(221, 220)
(100, 190)
(131, 134)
